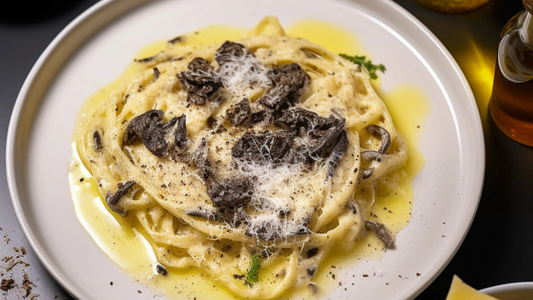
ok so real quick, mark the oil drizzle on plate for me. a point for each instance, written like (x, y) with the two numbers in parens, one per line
(124, 242)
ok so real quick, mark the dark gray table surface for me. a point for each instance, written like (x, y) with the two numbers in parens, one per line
(498, 248)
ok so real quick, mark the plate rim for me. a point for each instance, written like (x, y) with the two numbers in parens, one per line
(14, 139)
(472, 104)
(508, 287)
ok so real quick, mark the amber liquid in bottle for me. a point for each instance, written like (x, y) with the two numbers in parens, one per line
(511, 105)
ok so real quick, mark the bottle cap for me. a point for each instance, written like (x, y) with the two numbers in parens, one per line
(528, 4)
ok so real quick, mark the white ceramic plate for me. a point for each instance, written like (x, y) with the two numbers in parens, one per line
(511, 291)
(94, 49)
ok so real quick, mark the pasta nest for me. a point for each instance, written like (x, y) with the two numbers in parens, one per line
(255, 146)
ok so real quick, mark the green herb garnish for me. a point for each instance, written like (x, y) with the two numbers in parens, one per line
(361, 60)
(253, 274)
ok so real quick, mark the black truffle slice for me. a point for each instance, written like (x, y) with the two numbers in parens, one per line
(181, 131)
(317, 134)
(201, 159)
(235, 191)
(200, 81)
(320, 139)
(229, 51)
(336, 154)
(239, 113)
(147, 59)
(149, 128)
(161, 270)
(263, 148)
(383, 134)
(97, 142)
(176, 40)
(296, 117)
(307, 137)
(140, 124)
(156, 135)
(381, 232)
(112, 199)
(312, 252)
(376, 155)
(201, 212)
(287, 83)
(261, 116)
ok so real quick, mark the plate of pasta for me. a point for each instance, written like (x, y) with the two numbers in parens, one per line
(245, 149)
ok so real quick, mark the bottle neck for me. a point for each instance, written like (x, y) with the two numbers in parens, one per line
(526, 31)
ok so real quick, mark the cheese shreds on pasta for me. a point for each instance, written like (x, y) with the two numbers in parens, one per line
(249, 147)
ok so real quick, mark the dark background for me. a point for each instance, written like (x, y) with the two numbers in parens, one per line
(498, 247)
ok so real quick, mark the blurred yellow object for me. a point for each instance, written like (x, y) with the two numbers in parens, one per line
(462, 291)
(452, 6)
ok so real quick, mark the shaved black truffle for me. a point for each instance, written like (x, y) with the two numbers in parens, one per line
(229, 51)
(371, 155)
(296, 117)
(201, 159)
(200, 213)
(112, 199)
(381, 232)
(307, 137)
(200, 81)
(147, 59)
(161, 270)
(239, 113)
(181, 131)
(270, 147)
(97, 142)
(383, 134)
(149, 128)
(336, 154)
(234, 58)
(317, 134)
(312, 252)
(175, 40)
(156, 73)
(262, 116)
(141, 124)
(235, 191)
(287, 81)
(156, 135)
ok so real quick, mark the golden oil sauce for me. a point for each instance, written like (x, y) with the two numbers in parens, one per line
(128, 246)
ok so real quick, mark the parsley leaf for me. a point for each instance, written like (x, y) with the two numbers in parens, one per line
(361, 60)
(253, 274)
